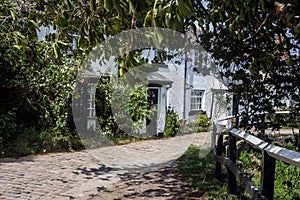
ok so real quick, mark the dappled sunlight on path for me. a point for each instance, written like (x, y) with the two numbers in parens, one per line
(82, 175)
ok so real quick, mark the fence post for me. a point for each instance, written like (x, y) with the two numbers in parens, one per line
(232, 184)
(268, 176)
(232, 156)
(218, 172)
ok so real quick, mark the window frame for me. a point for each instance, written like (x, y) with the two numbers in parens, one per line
(196, 99)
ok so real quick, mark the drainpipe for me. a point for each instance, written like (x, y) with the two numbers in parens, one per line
(212, 103)
(184, 87)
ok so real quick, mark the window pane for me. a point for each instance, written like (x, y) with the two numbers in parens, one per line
(196, 99)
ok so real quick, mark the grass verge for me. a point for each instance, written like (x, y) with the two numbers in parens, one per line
(199, 174)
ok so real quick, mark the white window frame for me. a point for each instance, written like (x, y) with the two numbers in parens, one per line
(196, 99)
(91, 102)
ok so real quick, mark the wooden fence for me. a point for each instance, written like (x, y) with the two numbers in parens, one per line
(270, 153)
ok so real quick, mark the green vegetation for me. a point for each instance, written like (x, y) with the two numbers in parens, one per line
(193, 126)
(203, 121)
(251, 162)
(287, 180)
(137, 109)
(255, 45)
(199, 173)
(172, 123)
(42, 44)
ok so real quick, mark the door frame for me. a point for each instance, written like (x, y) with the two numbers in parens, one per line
(157, 107)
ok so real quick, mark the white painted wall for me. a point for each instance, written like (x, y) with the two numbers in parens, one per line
(175, 94)
(210, 104)
(161, 118)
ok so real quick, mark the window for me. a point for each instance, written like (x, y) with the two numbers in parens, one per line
(91, 101)
(196, 99)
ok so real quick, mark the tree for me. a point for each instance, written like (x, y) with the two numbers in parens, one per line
(37, 74)
(36, 82)
(256, 45)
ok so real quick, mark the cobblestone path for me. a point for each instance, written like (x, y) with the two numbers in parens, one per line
(97, 173)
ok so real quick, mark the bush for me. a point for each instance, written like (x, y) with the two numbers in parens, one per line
(203, 120)
(172, 123)
(113, 115)
(192, 127)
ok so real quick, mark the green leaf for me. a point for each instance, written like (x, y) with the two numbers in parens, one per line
(117, 6)
(290, 18)
(185, 8)
(297, 28)
(36, 24)
(131, 7)
(70, 3)
(55, 50)
(63, 43)
(148, 17)
(13, 14)
(93, 5)
(108, 5)
(17, 46)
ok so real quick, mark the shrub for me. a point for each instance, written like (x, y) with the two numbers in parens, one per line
(172, 123)
(113, 114)
(203, 120)
(192, 126)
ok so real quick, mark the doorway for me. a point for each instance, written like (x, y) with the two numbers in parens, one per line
(153, 107)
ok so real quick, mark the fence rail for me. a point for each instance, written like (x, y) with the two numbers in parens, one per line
(270, 154)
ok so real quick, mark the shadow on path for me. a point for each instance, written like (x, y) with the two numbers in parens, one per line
(163, 183)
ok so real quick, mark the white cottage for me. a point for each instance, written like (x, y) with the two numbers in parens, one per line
(178, 86)
(187, 92)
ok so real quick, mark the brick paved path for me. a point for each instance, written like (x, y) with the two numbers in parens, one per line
(84, 174)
